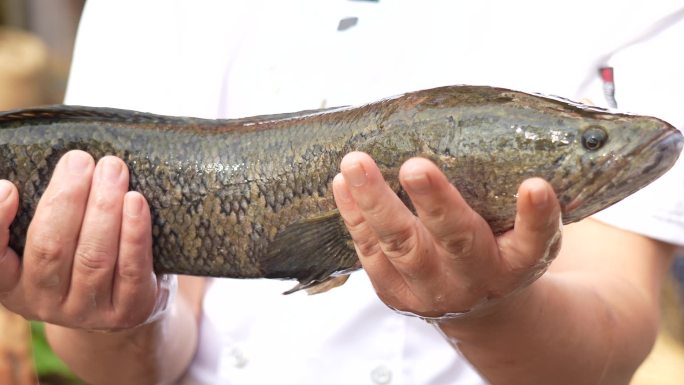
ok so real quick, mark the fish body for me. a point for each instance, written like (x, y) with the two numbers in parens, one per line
(252, 197)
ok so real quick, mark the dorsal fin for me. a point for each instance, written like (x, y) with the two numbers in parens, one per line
(78, 113)
(259, 119)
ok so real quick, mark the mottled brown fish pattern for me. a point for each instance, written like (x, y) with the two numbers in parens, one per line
(251, 197)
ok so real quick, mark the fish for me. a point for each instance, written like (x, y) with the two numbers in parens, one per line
(251, 197)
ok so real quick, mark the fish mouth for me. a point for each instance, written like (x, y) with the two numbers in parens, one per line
(619, 175)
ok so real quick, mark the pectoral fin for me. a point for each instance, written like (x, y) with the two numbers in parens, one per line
(317, 252)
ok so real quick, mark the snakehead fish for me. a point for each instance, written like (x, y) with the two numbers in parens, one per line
(251, 197)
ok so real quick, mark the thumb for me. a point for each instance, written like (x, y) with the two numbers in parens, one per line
(9, 261)
(535, 240)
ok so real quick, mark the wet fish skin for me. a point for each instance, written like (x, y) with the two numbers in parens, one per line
(251, 197)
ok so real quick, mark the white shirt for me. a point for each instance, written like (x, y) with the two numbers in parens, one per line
(247, 57)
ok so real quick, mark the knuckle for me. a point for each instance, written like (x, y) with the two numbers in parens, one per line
(399, 243)
(133, 273)
(367, 246)
(64, 194)
(46, 250)
(379, 210)
(365, 241)
(104, 201)
(93, 257)
(459, 245)
(354, 224)
(135, 238)
(437, 212)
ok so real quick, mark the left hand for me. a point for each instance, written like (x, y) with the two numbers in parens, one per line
(446, 260)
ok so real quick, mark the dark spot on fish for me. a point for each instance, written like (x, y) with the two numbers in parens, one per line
(503, 99)
(559, 160)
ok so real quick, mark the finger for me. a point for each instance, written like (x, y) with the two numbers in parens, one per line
(464, 245)
(446, 215)
(135, 285)
(530, 247)
(365, 241)
(402, 239)
(380, 207)
(53, 232)
(382, 210)
(362, 234)
(9, 262)
(98, 243)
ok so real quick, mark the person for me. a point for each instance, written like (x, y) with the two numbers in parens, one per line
(591, 318)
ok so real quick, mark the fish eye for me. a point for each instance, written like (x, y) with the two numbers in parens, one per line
(594, 138)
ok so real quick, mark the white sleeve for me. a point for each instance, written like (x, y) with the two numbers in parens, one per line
(649, 80)
(173, 64)
(656, 211)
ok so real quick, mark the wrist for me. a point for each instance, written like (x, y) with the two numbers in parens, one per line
(499, 315)
(116, 338)
(111, 357)
(154, 352)
(76, 338)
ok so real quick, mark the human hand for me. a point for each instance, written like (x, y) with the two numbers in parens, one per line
(445, 261)
(87, 262)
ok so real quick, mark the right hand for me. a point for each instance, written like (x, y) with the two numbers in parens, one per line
(87, 262)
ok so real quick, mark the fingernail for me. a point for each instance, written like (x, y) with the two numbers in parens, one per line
(417, 182)
(111, 170)
(355, 175)
(78, 162)
(539, 198)
(341, 191)
(5, 190)
(133, 205)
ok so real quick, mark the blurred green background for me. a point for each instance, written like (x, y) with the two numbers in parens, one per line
(36, 44)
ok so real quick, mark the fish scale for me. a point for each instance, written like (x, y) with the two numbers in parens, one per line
(250, 198)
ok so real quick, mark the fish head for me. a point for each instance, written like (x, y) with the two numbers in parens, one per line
(616, 155)
(488, 140)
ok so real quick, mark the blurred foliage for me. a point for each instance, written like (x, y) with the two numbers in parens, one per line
(50, 369)
(54, 23)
